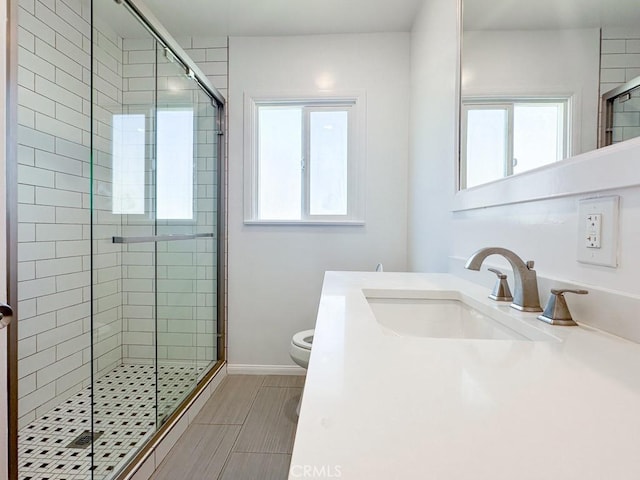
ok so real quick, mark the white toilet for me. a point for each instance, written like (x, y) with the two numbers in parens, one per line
(300, 351)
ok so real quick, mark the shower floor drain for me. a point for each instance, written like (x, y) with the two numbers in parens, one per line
(124, 409)
(84, 439)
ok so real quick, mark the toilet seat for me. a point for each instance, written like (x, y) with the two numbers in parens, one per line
(303, 339)
(300, 352)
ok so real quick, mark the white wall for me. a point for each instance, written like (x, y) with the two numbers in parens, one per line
(546, 231)
(538, 62)
(276, 272)
(434, 59)
(542, 230)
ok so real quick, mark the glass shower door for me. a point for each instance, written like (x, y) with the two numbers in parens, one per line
(123, 256)
(154, 202)
(207, 221)
(186, 233)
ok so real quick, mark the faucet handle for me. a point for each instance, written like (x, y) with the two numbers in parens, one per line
(561, 291)
(557, 312)
(530, 264)
(497, 272)
(501, 292)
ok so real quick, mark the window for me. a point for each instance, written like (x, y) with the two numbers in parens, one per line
(304, 161)
(128, 164)
(504, 137)
(174, 164)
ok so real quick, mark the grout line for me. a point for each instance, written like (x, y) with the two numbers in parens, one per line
(253, 401)
(239, 430)
(226, 460)
(235, 442)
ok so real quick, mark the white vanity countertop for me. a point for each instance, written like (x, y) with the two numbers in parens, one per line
(384, 407)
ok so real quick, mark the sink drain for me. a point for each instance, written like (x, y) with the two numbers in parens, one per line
(84, 439)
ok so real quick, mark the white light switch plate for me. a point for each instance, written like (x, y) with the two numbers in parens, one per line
(598, 231)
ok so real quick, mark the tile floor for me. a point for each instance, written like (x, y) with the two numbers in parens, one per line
(244, 432)
(125, 412)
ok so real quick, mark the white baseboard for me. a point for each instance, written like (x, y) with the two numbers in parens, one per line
(242, 369)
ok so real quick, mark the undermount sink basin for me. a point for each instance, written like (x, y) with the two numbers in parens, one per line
(446, 315)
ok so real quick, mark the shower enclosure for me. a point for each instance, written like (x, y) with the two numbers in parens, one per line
(621, 107)
(120, 315)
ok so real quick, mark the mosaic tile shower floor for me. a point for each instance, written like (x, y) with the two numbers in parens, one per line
(124, 411)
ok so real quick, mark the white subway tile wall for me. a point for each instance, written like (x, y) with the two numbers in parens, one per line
(53, 166)
(54, 218)
(107, 258)
(215, 63)
(186, 270)
(620, 63)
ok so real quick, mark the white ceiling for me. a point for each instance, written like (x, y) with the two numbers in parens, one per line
(208, 18)
(284, 17)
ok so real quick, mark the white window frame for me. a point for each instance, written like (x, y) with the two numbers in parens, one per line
(508, 104)
(355, 104)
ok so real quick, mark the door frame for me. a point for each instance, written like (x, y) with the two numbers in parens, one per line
(10, 92)
(4, 436)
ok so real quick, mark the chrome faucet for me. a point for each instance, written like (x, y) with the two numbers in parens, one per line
(525, 294)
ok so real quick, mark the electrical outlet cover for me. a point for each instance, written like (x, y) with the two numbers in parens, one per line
(607, 252)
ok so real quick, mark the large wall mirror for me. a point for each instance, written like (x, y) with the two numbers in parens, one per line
(545, 80)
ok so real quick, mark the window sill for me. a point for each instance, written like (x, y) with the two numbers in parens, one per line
(295, 223)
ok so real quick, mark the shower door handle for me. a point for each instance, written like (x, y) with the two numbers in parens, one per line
(6, 312)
